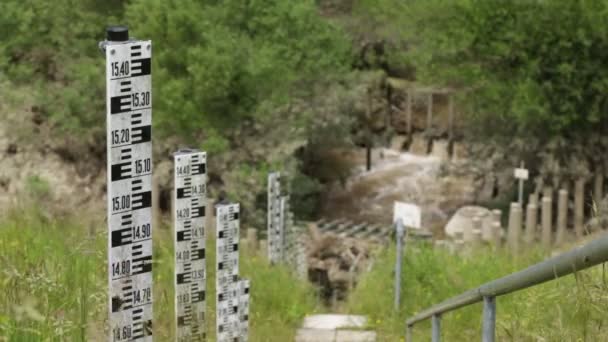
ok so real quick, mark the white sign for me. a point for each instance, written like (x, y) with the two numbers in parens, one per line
(228, 323)
(521, 174)
(409, 214)
(190, 179)
(129, 153)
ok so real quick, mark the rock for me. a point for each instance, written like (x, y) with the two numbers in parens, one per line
(335, 262)
(462, 220)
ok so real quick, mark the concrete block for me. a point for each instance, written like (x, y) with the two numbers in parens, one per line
(315, 335)
(355, 336)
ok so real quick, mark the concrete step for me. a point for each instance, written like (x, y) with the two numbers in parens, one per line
(326, 335)
(334, 328)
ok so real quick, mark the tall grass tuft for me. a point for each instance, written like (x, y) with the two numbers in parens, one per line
(53, 284)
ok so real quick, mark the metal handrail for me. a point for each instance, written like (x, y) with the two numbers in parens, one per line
(580, 258)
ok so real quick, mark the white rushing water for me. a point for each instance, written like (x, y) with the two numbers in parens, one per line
(405, 177)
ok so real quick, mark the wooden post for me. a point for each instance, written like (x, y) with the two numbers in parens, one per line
(562, 216)
(429, 113)
(263, 247)
(408, 112)
(252, 239)
(546, 222)
(533, 198)
(497, 234)
(598, 187)
(368, 154)
(515, 214)
(579, 196)
(450, 117)
(531, 222)
(548, 192)
(497, 216)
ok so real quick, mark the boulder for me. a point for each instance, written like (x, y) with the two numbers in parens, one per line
(462, 220)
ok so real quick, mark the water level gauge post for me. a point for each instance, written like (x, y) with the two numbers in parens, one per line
(189, 236)
(129, 184)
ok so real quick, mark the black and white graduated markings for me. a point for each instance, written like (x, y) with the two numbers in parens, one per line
(275, 222)
(289, 237)
(190, 179)
(244, 286)
(129, 118)
(227, 273)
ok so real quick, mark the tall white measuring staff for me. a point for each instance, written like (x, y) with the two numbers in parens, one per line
(190, 179)
(275, 221)
(227, 273)
(129, 151)
(244, 286)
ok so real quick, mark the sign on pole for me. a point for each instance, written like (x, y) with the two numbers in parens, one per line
(227, 273)
(190, 178)
(275, 222)
(522, 175)
(409, 214)
(129, 194)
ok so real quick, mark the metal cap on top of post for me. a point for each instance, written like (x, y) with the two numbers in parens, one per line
(117, 33)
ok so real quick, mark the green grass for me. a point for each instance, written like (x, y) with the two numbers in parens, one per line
(53, 284)
(572, 308)
(53, 288)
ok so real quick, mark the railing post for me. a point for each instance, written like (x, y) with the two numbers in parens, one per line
(436, 322)
(546, 222)
(488, 332)
(400, 232)
(408, 333)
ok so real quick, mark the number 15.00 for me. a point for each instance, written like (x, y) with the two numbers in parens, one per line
(121, 203)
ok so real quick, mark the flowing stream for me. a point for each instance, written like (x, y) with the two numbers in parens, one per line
(399, 176)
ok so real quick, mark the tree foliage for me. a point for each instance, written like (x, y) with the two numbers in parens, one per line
(530, 67)
(222, 64)
(51, 47)
(217, 65)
